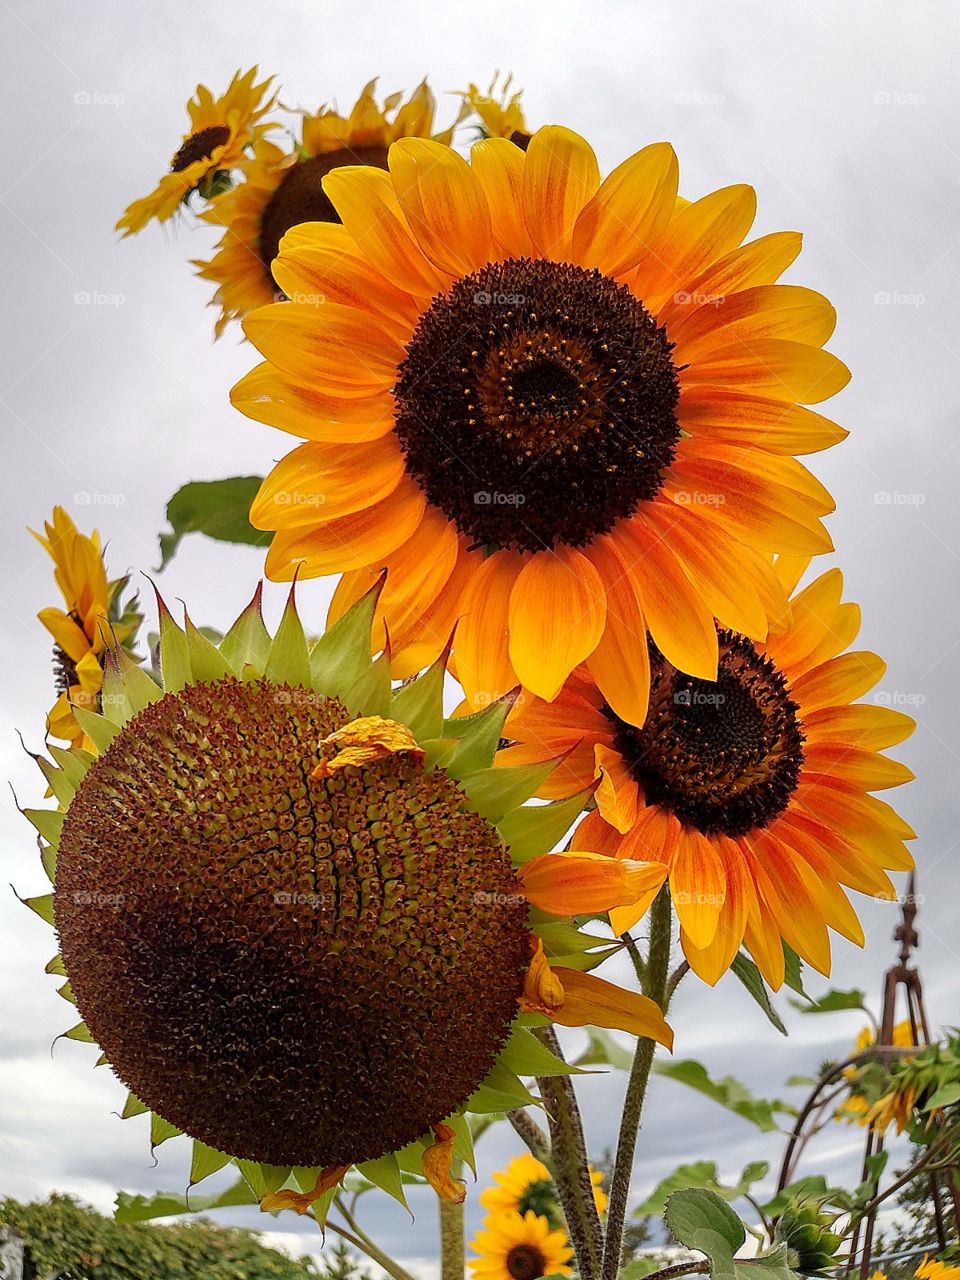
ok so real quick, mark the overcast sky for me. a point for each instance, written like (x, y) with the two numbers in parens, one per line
(844, 117)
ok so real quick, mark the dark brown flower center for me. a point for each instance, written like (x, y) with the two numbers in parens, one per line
(526, 1262)
(300, 196)
(536, 404)
(199, 146)
(724, 756)
(292, 970)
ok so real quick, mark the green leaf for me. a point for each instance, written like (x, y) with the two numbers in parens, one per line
(166, 1204)
(748, 973)
(604, 1050)
(813, 1187)
(945, 1096)
(524, 1055)
(218, 508)
(728, 1092)
(640, 1268)
(832, 1001)
(702, 1221)
(793, 970)
(701, 1174)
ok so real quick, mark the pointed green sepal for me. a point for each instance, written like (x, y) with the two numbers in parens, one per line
(73, 764)
(370, 696)
(500, 1091)
(524, 1055)
(140, 688)
(419, 704)
(66, 992)
(341, 655)
(174, 651)
(204, 1161)
(49, 822)
(289, 659)
(478, 737)
(539, 828)
(42, 905)
(80, 1032)
(57, 781)
(385, 1174)
(98, 728)
(207, 663)
(161, 1130)
(48, 860)
(463, 1140)
(568, 946)
(493, 792)
(56, 966)
(247, 643)
(133, 1107)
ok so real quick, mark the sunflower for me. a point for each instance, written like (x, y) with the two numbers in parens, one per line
(81, 630)
(281, 190)
(526, 1184)
(559, 410)
(519, 1247)
(933, 1269)
(500, 111)
(221, 129)
(855, 1107)
(276, 829)
(752, 793)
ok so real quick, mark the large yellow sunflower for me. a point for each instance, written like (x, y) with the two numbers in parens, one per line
(221, 129)
(82, 630)
(558, 409)
(753, 792)
(519, 1247)
(281, 190)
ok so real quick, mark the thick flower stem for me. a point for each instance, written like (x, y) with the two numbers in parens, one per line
(570, 1166)
(655, 986)
(452, 1239)
(530, 1132)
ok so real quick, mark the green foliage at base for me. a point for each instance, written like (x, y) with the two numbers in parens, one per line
(69, 1240)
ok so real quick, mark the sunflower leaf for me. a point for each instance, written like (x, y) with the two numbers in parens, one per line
(218, 508)
(702, 1174)
(167, 1204)
(701, 1220)
(748, 973)
(728, 1092)
(604, 1050)
(833, 1001)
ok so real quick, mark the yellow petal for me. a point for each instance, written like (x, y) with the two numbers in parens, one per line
(557, 612)
(437, 1165)
(443, 203)
(589, 1001)
(629, 212)
(572, 883)
(560, 175)
(499, 165)
(365, 740)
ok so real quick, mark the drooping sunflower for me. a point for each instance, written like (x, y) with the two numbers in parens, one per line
(81, 631)
(753, 793)
(305, 919)
(515, 1246)
(558, 409)
(499, 110)
(855, 1107)
(526, 1184)
(281, 190)
(221, 129)
(934, 1269)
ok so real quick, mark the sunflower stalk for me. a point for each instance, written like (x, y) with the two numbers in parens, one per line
(570, 1166)
(656, 977)
(527, 1129)
(452, 1237)
(360, 1240)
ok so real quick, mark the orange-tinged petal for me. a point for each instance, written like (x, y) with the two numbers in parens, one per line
(711, 962)
(364, 741)
(367, 203)
(868, 769)
(443, 203)
(575, 771)
(623, 919)
(839, 680)
(733, 417)
(269, 396)
(572, 883)
(761, 261)
(698, 883)
(340, 348)
(437, 1165)
(589, 1001)
(542, 989)
(557, 614)
(351, 542)
(481, 644)
(620, 663)
(767, 311)
(698, 235)
(679, 620)
(629, 212)
(71, 638)
(617, 795)
(775, 367)
(594, 833)
(560, 175)
(499, 165)
(321, 482)
(427, 627)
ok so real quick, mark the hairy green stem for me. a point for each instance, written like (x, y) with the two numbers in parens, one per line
(531, 1134)
(655, 986)
(452, 1239)
(570, 1166)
